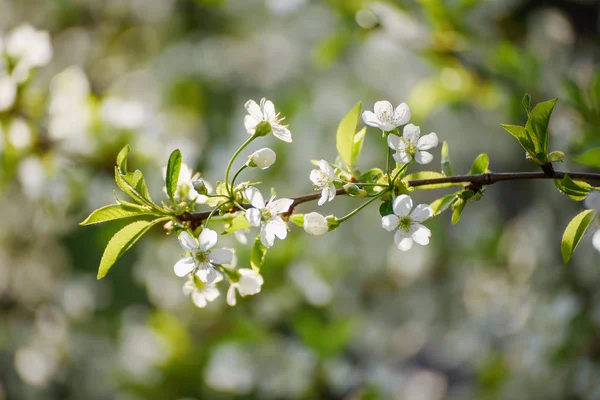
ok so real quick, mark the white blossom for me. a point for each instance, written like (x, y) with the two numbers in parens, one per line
(265, 112)
(203, 260)
(323, 179)
(202, 293)
(250, 283)
(267, 216)
(412, 145)
(30, 47)
(385, 117)
(315, 224)
(8, 92)
(406, 224)
(263, 158)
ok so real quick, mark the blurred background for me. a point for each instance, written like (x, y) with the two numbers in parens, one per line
(486, 311)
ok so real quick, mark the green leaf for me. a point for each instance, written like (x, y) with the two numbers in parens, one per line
(526, 102)
(386, 208)
(457, 209)
(359, 138)
(574, 232)
(537, 125)
(576, 190)
(238, 223)
(521, 134)
(122, 241)
(440, 205)
(556, 156)
(446, 165)
(345, 134)
(122, 159)
(480, 165)
(257, 255)
(172, 176)
(113, 212)
(590, 158)
(136, 180)
(427, 175)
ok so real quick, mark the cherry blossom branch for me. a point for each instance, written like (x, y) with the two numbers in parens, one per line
(476, 180)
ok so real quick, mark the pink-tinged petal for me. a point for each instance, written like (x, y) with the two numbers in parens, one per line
(211, 293)
(188, 242)
(250, 123)
(188, 287)
(231, 300)
(207, 239)
(402, 205)
(253, 109)
(403, 241)
(420, 234)
(411, 133)
(278, 227)
(281, 132)
(384, 111)
(199, 300)
(402, 114)
(370, 119)
(390, 222)
(324, 197)
(253, 216)
(267, 237)
(268, 110)
(402, 157)
(255, 197)
(423, 157)
(220, 256)
(280, 206)
(421, 213)
(395, 142)
(184, 266)
(428, 141)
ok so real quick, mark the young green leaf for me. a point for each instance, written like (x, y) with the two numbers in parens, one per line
(574, 232)
(122, 241)
(457, 209)
(590, 158)
(345, 134)
(136, 180)
(576, 190)
(440, 205)
(172, 176)
(480, 165)
(521, 134)
(446, 165)
(386, 208)
(357, 146)
(113, 212)
(257, 255)
(526, 102)
(556, 156)
(238, 223)
(537, 125)
(427, 175)
(122, 159)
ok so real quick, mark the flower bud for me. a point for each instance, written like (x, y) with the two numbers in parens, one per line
(262, 158)
(200, 186)
(315, 224)
(354, 190)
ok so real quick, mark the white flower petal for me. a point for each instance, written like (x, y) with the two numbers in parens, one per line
(255, 197)
(281, 132)
(384, 111)
(207, 239)
(403, 241)
(211, 293)
(188, 287)
(421, 213)
(401, 114)
(395, 142)
(198, 299)
(402, 157)
(420, 234)
(428, 141)
(411, 133)
(231, 300)
(208, 274)
(253, 109)
(323, 165)
(277, 227)
(315, 224)
(402, 205)
(390, 222)
(331, 192)
(267, 237)
(250, 282)
(250, 123)
(188, 242)
(253, 216)
(268, 110)
(220, 256)
(423, 157)
(279, 206)
(324, 197)
(184, 266)
(369, 118)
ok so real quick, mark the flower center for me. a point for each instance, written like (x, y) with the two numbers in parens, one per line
(404, 224)
(322, 179)
(201, 257)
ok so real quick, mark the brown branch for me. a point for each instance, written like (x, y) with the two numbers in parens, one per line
(477, 180)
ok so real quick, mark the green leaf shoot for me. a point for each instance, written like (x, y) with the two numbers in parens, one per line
(573, 233)
(172, 175)
(345, 134)
(113, 212)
